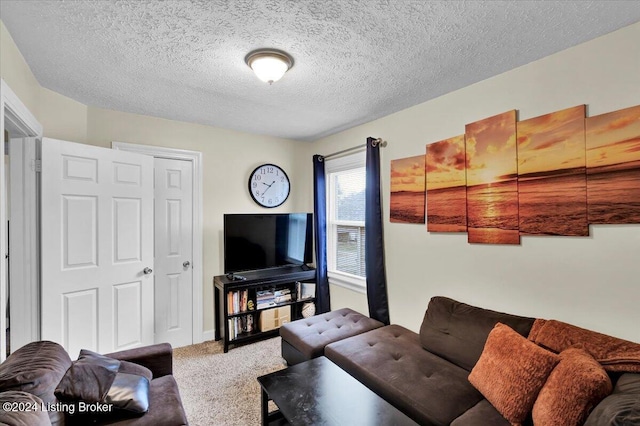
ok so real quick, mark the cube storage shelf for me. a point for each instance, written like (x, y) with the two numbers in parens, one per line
(237, 322)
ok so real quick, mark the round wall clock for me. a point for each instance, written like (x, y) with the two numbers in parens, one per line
(269, 185)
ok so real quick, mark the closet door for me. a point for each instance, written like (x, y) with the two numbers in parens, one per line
(97, 247)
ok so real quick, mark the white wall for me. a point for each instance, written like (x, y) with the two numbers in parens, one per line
(591, 282)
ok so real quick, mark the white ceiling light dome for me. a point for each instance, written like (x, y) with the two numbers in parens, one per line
(269, 65)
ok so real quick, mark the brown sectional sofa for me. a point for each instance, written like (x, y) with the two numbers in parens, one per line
(31, 374)
(426, 375)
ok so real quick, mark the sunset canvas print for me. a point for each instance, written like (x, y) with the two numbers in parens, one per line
(492, 180)
(613, 167)
(407, 190)
(552, 185)
(446, 186)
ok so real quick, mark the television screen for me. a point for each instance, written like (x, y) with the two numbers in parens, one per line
(259, 241)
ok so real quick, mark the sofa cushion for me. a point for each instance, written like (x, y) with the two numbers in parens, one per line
(310, 335)
(24, 409)
(96, 378)
(457, 331)
(622, 407)
(482, 414)
(165, 408)
(511, 371)
(36, 368)
(391, 362)
(88, 379)
(574, 387)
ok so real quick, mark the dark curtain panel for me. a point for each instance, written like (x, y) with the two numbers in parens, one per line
(374, 241)
(323, 301)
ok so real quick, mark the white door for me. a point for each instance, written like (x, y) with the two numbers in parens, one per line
(97, 247)
(173, 251)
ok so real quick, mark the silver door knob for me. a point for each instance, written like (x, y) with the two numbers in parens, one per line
(147, 271)
(186, 264)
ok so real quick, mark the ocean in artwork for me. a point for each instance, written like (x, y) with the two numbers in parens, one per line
(555, 204)
(492, 213)
(447, 209)
(614, 193)
(407, 207)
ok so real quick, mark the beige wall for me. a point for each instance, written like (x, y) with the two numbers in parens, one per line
(591, 282)
(62, 117)
(16, 73)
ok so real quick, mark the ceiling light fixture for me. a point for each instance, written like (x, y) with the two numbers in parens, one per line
(269, 64)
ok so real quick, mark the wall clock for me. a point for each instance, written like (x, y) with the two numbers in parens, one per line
(269, 185)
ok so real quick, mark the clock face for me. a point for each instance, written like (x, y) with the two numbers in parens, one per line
(269, 185)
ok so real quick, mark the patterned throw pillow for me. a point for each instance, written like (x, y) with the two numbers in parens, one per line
(575, 386)
(511, 371)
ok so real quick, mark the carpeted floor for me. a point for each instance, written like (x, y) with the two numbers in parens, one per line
(221, 389)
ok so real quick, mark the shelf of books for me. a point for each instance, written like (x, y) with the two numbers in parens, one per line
(255, 309)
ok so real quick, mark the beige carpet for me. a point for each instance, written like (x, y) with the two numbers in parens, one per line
(221, 389)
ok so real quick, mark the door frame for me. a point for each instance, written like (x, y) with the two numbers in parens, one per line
(14, 110)
(198, 333)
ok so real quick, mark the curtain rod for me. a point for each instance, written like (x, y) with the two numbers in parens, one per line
(354, 148)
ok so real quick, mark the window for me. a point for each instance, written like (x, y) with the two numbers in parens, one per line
(346, 181)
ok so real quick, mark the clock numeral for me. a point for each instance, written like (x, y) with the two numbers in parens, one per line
(258, 177)
(277, 200)
(254, 184)
(281, 178)
(257, 193)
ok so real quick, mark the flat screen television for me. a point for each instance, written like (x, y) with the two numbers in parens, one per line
(260, 241)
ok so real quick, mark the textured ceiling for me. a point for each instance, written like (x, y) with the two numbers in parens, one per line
(355, 60)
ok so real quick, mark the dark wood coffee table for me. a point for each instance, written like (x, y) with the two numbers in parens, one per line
(318, 392)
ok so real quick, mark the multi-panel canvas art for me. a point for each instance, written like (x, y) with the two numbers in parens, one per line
(549, 175)
(613, 167)
(552, 185)
(492, 180)
(446, 186)
(407, 190)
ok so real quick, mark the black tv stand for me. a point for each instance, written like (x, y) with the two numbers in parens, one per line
(246, 310)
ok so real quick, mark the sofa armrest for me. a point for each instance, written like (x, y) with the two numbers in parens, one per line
(157, 358)
(622, 407)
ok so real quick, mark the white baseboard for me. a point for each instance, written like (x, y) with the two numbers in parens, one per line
(207, 335)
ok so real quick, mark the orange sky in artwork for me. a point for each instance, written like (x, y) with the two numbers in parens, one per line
(552, 141)
(613, 138)
(491, 149)
(445, 163)
(407, 174)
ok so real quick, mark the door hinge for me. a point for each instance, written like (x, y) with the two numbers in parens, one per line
(36, 166)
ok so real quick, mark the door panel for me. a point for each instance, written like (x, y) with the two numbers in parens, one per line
(128, 307)
(173, 247)
(80, 320)
(79, 231)
(128, 230)
(97, 238)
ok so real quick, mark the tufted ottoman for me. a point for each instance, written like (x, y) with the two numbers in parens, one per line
(305, 339)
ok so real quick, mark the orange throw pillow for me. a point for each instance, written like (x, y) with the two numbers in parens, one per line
(575, 386)
(511, 371)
